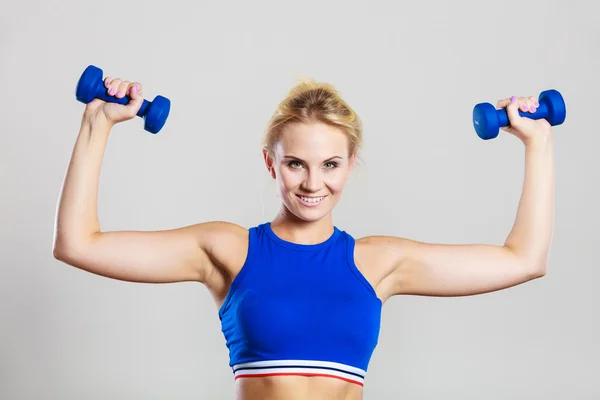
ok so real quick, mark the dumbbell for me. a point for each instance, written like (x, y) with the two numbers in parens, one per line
(488, 121)
(91, 86)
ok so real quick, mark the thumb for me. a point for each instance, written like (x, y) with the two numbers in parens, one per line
(512, 110)
(137, 99)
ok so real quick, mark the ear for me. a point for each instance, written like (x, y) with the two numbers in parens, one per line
(268, 157)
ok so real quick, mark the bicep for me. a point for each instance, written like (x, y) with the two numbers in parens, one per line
(456, 270)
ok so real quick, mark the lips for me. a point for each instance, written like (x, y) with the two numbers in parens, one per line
(311, 201)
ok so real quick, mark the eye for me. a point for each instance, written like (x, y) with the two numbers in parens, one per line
(295, 164)
(331, 164)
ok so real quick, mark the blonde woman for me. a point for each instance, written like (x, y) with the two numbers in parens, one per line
(300, 299)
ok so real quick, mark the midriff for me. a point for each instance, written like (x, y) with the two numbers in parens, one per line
(296, 388)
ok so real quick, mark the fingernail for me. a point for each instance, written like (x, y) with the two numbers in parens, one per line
(513, 99)
(537, 104)
(524, 107)
(531, 108)
(136, 89)
(111, 91)
(119, 93)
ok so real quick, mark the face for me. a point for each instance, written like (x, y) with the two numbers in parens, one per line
(311, 165)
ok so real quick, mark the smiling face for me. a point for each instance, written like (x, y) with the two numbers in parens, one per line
(311, 164)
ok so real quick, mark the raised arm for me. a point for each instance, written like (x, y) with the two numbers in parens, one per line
(200, 252)
(457, 270)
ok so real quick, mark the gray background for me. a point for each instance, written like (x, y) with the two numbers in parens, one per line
(412, 70)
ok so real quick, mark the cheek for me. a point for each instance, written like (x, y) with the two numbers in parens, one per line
(288, 180)
(335, 182)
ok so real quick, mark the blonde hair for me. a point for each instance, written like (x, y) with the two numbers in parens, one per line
(308, 102)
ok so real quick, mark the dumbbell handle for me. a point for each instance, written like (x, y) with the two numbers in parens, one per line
(540, 112)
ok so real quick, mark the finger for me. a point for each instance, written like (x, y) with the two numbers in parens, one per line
(503, 103)
(533, 104)
(114, 86)
(527, 104)
(122, 89)
(134, 88)
(523, 106)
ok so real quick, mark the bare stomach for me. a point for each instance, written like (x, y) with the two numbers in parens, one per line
(296, 388)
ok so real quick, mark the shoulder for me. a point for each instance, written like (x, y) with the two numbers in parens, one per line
(224, 246)
(219, 229)
(380, 249)
(224, 242)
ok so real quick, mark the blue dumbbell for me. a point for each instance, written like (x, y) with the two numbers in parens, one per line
(488, 121)
(91, 86)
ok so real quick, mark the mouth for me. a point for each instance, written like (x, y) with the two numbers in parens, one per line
(311, 201)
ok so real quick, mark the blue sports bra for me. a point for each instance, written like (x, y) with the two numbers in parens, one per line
(300, 309)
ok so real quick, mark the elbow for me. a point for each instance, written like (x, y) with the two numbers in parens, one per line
(60, 252)
(538, 273)
(69, 255)
(537, 269)
(61, 244)
(66, 248)
(64, 251)
(58, 248)
(534, 266)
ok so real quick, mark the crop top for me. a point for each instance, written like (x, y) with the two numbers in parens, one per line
(300, 309)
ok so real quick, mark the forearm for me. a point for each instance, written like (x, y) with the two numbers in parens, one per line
(77, 215)
(531, 235)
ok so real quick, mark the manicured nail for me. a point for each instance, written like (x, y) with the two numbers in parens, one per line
(513, 99)
(136, 89)
(532, 108)
(119, 93)
(111, 91)
(537, 104)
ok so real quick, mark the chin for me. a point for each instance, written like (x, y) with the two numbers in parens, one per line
(311, 217)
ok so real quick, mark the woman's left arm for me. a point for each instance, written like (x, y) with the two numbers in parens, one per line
(459, 270)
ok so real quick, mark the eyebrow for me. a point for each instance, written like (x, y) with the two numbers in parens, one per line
(291, 157)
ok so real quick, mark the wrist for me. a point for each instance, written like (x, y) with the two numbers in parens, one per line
(96, 123)
(539, 142)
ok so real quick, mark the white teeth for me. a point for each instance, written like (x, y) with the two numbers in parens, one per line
(312, 199)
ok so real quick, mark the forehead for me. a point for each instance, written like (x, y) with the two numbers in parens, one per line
(315, 140)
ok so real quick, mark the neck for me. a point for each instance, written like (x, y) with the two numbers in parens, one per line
(291, 228)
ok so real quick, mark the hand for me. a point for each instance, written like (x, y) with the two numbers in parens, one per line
(526, 129)
(112, 113)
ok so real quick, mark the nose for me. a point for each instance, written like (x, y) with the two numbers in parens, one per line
(313, 181)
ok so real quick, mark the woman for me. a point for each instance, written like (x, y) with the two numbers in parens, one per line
(299, 299)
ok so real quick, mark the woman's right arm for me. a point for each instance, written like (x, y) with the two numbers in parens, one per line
(190, 253)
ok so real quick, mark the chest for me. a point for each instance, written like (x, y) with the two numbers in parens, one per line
(314, 311)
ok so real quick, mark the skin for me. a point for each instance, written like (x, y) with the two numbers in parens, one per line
(301, 164)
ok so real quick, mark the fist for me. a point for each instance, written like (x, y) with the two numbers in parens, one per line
(113, 113)
(526, 129)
